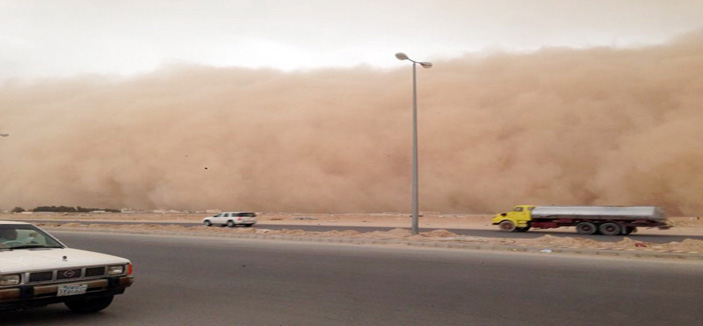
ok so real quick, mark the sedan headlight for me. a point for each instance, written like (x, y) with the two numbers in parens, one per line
(115, 270)
(12, 279)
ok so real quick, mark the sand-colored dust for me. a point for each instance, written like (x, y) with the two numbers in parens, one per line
(595, 126)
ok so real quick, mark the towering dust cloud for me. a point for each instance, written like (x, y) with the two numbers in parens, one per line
(559, 126)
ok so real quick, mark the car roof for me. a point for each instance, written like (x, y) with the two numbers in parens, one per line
(12, 222)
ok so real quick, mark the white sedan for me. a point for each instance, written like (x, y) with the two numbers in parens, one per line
(231, 219)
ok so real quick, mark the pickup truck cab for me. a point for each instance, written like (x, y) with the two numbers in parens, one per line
(36, 269)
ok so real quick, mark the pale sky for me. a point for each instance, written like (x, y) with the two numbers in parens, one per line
(62, 38)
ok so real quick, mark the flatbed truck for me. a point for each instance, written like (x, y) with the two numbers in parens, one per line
(605, 220)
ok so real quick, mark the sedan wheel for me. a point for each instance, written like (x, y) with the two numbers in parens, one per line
(207, 223)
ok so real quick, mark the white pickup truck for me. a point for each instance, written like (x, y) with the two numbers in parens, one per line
(36, 269)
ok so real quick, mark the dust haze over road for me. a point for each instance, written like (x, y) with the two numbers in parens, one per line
(557, 126)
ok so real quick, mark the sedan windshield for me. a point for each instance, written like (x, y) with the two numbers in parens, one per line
(24, 236)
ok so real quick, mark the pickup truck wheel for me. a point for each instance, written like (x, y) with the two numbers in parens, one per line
(231, 224)
(506, 226)
(207, 223)
(90, 305)
(586, 228)
(610, 228)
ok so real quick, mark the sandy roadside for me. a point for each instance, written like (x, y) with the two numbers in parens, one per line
(684, 225)
(401, 222)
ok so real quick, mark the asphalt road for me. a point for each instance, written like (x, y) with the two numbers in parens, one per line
(218, 281)
(653, 238)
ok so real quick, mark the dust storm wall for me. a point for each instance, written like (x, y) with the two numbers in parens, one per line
(558, 126)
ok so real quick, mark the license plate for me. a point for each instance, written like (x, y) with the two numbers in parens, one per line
(71, 289)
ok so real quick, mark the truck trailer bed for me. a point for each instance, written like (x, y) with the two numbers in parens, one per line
(599, 212)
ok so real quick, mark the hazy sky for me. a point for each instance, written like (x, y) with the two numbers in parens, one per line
(62, 38)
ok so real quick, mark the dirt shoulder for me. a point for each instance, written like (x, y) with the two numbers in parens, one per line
(692, 226)
(400, 222)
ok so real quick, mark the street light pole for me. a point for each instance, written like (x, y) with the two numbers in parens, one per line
(415, 183)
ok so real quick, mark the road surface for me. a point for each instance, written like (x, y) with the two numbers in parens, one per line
(203, 281)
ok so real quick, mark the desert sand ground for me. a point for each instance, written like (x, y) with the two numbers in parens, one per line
(691, 226)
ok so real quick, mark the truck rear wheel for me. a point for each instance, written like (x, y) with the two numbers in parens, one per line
(610, 228)
(586, 228)
(629, 229)
(506, 226)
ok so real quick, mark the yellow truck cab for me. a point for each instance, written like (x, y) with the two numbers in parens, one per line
(516, 220)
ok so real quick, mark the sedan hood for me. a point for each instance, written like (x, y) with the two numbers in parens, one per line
(26, 260)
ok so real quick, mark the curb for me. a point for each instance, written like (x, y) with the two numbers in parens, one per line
(411, 243)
